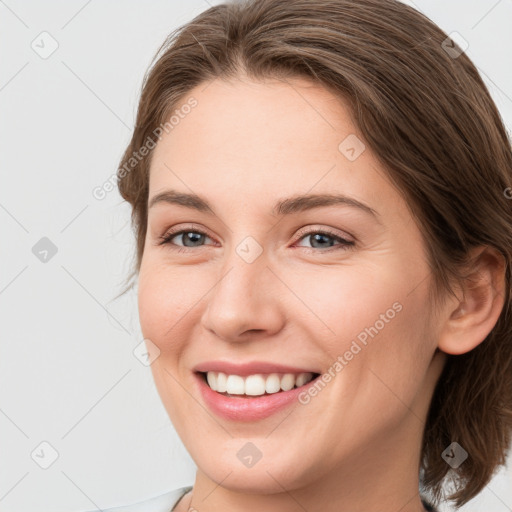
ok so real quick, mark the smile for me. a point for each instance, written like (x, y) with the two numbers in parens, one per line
(237, 403)
(257, 384)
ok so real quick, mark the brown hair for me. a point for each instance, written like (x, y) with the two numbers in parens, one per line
(428, 117)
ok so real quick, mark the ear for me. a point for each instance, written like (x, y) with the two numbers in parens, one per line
(472, 317)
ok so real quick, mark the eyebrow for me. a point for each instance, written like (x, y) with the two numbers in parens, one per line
(285, 206)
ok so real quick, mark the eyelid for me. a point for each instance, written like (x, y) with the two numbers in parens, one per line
(329, 231)
(187, 227)
(172, 232)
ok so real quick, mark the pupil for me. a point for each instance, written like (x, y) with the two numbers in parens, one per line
(192, 235)
(319, 235)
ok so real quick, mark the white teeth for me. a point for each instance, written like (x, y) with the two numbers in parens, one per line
(221, 382)
(211, 377)
(302, 378)
(273, 383)
(235, 385)
(256, 385)
(287, 381)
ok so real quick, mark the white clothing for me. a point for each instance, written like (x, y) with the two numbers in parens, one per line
(161, 503)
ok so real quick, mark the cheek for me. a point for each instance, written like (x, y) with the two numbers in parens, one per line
(163, 300)
(373, 318)
(348, 300)
(398, 349)
(165, 305)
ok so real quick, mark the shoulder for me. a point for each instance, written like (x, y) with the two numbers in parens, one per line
(161, 503)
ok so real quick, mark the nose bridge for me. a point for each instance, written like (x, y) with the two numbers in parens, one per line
(244, 267)
(242, 299)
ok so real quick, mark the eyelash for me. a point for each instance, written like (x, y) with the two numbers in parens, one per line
(343, 245)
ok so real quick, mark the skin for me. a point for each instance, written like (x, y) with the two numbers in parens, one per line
(356, 445)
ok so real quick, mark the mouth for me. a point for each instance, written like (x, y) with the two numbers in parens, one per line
(255, 385)
(252, 390)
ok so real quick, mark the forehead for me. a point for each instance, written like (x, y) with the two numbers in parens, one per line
(246, 140)
(243, 118)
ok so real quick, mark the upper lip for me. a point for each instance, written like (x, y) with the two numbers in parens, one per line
(249, 368)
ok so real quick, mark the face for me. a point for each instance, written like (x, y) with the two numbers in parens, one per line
(332, 288)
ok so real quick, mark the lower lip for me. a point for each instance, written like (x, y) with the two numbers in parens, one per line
(250, 408)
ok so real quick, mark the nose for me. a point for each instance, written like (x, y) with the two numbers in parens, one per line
(245, 301)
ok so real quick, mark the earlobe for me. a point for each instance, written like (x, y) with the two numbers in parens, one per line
(470, 320)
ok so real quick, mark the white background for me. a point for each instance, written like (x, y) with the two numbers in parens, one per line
(68, 375)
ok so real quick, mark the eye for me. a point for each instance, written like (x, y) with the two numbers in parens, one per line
(191, 238)
(319, 238)
(187, 236)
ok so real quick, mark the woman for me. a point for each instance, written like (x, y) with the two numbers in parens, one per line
(324, 241)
